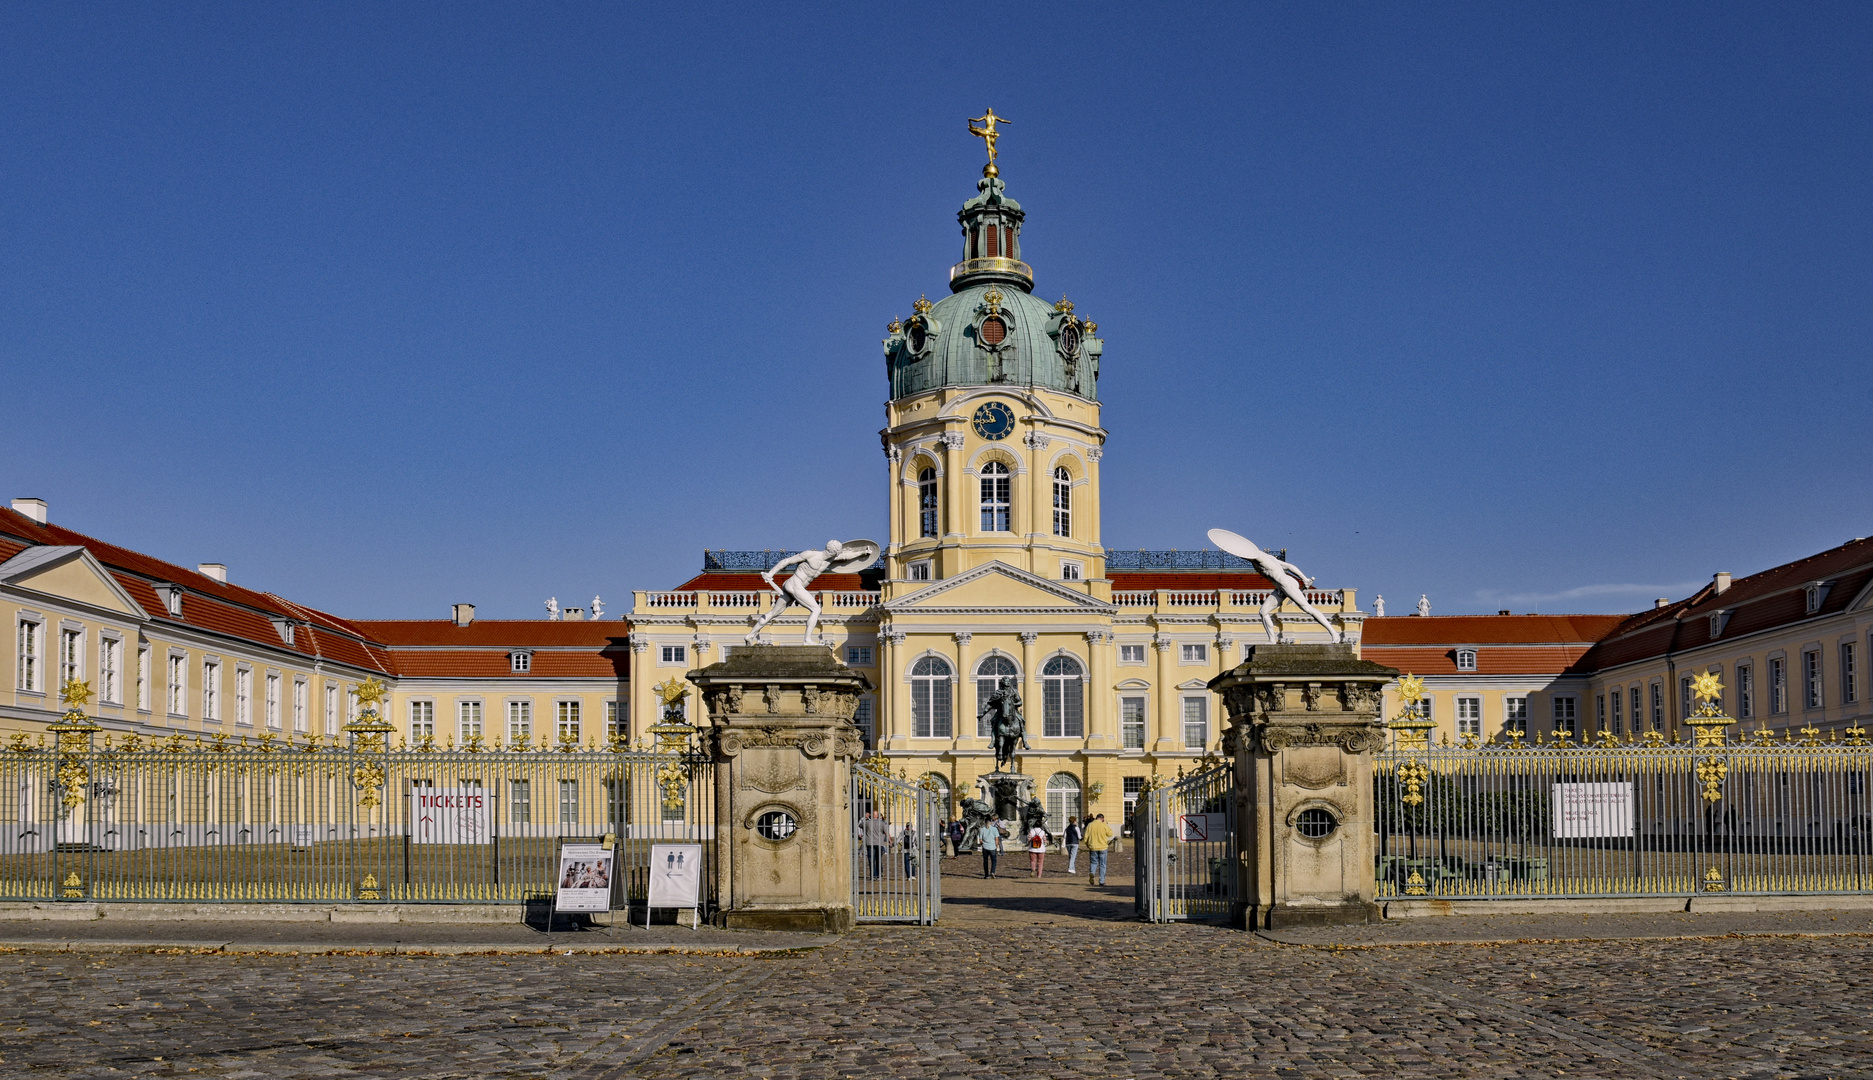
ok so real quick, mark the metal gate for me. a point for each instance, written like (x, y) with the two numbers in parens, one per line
(1185, 836)
(896, 853)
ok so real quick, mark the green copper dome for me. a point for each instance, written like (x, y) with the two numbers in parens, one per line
(992, 330)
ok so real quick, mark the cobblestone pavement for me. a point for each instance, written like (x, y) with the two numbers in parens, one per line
(1078, 999)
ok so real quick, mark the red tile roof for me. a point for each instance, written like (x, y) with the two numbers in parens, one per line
(1488, 629)
(518, 633)
(493, 664)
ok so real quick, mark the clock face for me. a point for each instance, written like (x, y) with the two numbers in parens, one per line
(994, 420)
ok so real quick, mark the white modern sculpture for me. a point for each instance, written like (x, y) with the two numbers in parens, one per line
(1290, 583)
(839, 558)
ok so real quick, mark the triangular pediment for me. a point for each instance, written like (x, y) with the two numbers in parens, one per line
(996, 586)
(69, 572)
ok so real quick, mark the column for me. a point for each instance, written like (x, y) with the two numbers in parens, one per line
(1167, 734)
(1092, 533)
(894, 490)
(1040, 502)
(643, 699)
(1101, 731)
(891, 711)
(963, 705)
(1031, 686)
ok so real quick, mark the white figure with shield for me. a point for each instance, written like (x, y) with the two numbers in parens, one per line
(1290, 583)
(838, 558)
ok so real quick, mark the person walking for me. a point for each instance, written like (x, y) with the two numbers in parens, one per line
(1037, 851)
(909, 840)
(1072, 838)
(1098, 838)
(956, 837)
(877, 837)
(989, 836)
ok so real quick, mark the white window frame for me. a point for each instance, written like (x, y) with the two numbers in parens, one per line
(568, 801)
(143, 677)
(1200, 704)
(997, 502)
(1515, 712)
(270, 700)
(331, 708)
(519, 719)
(1132, 654)
(673, 654)
(520, 802)
(422, 719)
(865, 719)
(71, 654)
(1063, 501)
(244, 695)
(1778, 685)
(1466, 659)
(519, 662)
(1063, 699)
(1072, 571)
(1128, 726)
(1469, 715)
(1658, 705)
(177, 688)
(928, 504)
(858, 655)
(470, 719)
(1814, 673)
(31, 656)
(925, 720)
(1849, 672)
(922, 570)
(1616, 699)
(1193, 652)
(110, 669)
(1564, 707)
(211, 691)
(617, 720)
(568, 719)
(300, 718)
(1745, 691)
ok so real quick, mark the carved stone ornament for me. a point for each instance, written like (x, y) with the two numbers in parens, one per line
(847, 744)
(1239, 701)
(1310, 695)
(954, 440)
(1231, 739)
(771, 695)
(1273, 696)
(1359, 697)
(1352, 739)
(813, 697)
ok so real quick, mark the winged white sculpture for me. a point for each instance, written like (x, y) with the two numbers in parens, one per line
(1290, 583)
(848, 557)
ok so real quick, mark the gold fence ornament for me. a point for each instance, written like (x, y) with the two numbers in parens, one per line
(1810, 736)
(1712, 772)
(1414, 885)
(1856, 736)
(1413, 775)
(73, 779)
(368, 889)
(73, 887)
(1713, 880)
(368, 778)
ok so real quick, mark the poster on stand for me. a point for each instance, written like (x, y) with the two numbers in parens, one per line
(584, 878)
(675, 875)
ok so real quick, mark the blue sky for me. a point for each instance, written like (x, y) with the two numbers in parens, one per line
(1553, 308)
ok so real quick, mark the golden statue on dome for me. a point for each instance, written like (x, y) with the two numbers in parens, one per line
(988, 134)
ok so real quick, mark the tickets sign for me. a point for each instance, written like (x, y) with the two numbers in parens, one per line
(449, 815)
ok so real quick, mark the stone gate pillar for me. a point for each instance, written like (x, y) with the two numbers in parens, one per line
(1304, 724)
(781, 735)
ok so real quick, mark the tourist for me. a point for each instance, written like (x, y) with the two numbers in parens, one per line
(1098, 838)
(990, 837)
(1037, 851)
(956, 837)
(909, 840)
(877, 836)
(1072, 838)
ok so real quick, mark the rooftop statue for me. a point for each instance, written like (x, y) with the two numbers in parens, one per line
(987, 132)
(839, 558)
(1290, 583)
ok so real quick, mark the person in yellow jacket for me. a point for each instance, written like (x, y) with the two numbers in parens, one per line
(1098, 840)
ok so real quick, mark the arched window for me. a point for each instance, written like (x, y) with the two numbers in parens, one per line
(996, 499)
(926, 503)
(1063, 801)
(930, 698)
(1063, 502)
(1063, 699)
(989, 674)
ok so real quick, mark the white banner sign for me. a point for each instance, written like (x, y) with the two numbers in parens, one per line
(1583, 811)
(584, 878)
(675, 875)
(448, 815)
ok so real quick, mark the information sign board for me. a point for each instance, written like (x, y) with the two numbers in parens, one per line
(675, 875)
(584, 878)
(448, 815)
(1586, 811)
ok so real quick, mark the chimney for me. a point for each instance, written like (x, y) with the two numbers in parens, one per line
(464, 614)
(1663, 601)
(1504, 611)
(32, 508)
(1721, 579)
(218, 571)
(572, 614)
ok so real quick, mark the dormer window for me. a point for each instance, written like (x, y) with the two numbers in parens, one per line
(1466, 659)
(520, 661)
(1817, 595)
(171, 596)
(284, 627)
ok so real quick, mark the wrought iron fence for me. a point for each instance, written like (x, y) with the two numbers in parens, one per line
(897, 854)
(1185, 842)
(223, 819)
(1652, 818)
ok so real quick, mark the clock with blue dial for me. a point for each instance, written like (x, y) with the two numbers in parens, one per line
(994, 420)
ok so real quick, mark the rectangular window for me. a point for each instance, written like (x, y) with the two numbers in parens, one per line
(996, 504)
(520, 663)
(1658, 706)
(1684, 697)
(110, 679)
(1466, 659)
(675, 654)
(1811, 678)
(71, 655)
(1849, 673)
(178, 685)
(858, 655)
(1132, 723)
(331, 709)
(31, 648)
(920, 570)
(1071, 571)
(1616, 698)
(1745, 692)
(1134, 786)
(1778, 685)
(1564, 715)
(468, 721)
(1599, 710)
(1470, 716)
(271, 703)
(1515, 713)
(569, 725)
(867, 727)
(520, 801)
(243, 695)
(422, 721)
(519, 720)
(617, 722)
(1196, 654)
(211, 691)
(1196, 723)
(1638, 716)
(1063, 712)
(299, 705)
(1425, 712)
(569, 802)
(1131, 654)
(143, 677)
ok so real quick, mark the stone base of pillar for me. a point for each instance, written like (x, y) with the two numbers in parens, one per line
(1304, 724)
(782, 738)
